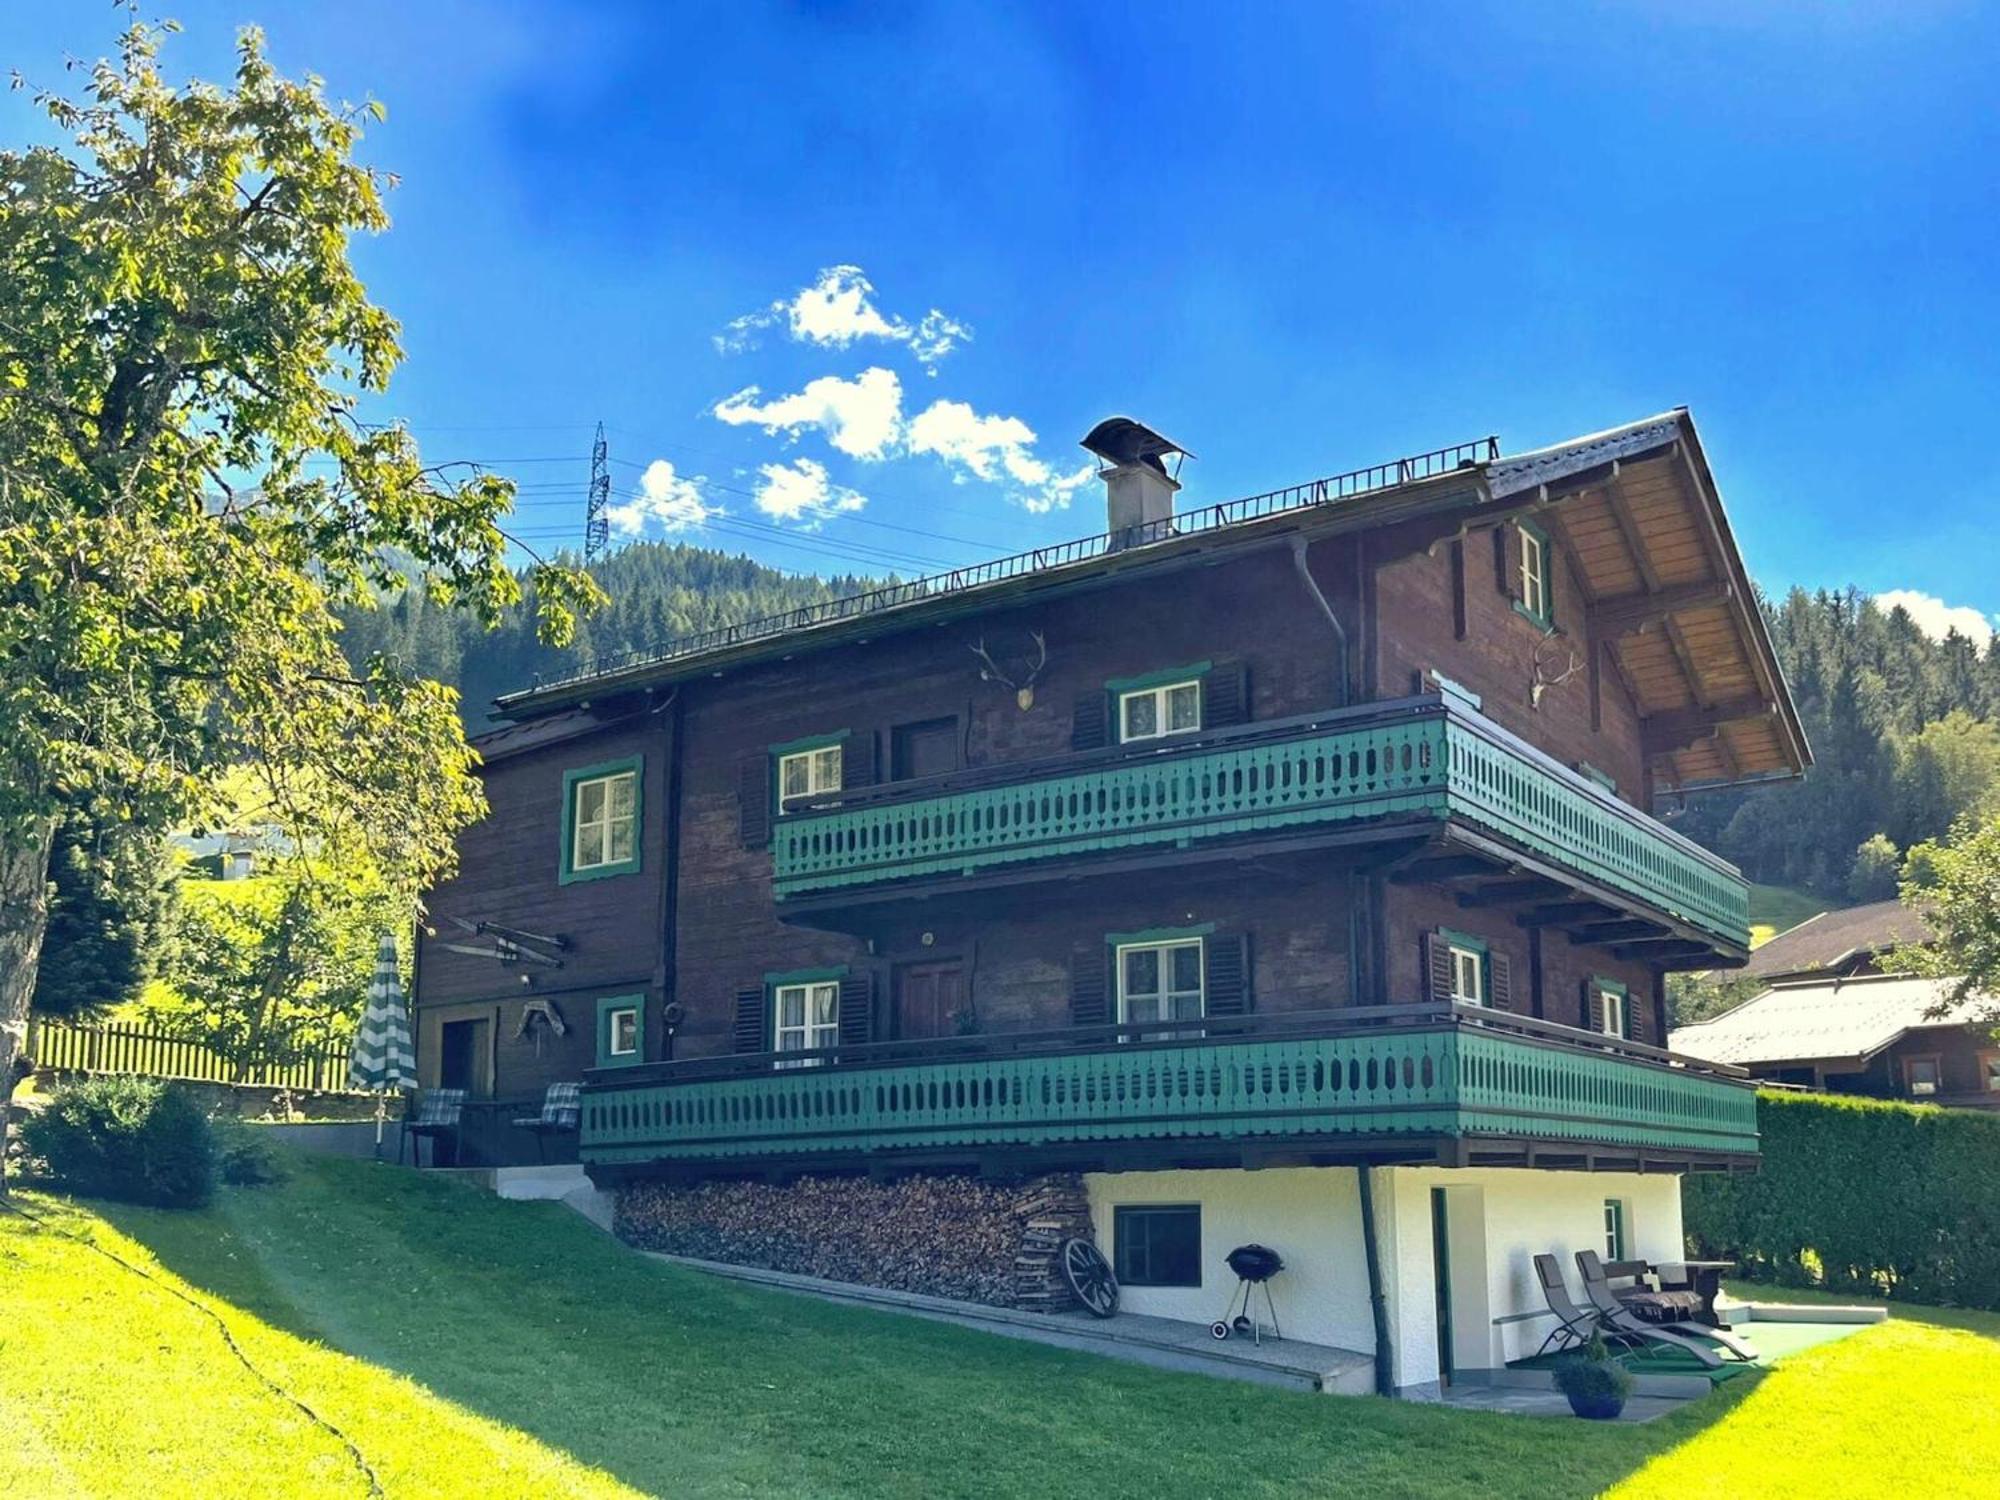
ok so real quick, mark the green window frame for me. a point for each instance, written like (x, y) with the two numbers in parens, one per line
(1617, 1002)
(1537, 581)
(813, 753)
(617, 1048)
(576, 783)
(1162, 694)
(1614, 1230)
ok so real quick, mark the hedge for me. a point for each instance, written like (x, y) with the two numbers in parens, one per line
(1860, 1195)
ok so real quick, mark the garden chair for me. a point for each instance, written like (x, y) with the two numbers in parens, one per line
(561, 1111)
(436, 1117)
(1573, 1324)
(1679, 1333)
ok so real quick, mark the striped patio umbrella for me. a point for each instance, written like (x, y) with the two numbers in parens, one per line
(383, 1058)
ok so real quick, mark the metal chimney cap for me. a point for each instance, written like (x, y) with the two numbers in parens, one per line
(1120, 440)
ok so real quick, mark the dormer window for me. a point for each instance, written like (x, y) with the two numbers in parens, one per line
(1535, 573)
(1153, 713)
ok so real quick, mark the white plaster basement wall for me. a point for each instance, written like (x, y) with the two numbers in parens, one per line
(1309, 1215)
(1499, 1218)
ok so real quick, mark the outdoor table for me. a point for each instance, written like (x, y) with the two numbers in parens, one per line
(1705, 1276)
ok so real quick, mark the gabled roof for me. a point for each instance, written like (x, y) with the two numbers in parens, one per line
(1635, 507)
(1834, 939)
(1847, 1020)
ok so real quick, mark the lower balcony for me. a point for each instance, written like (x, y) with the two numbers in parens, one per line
(1455, 1084)
(1427, 762)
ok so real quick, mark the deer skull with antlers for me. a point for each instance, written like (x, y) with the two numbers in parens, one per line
(1541, 681)
(1024, 690)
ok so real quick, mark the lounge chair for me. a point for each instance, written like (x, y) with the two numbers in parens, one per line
(560, 1113)
(1574, 1325)
(436, 1116)
(1680, 1332)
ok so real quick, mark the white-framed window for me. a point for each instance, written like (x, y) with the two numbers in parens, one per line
(1924, 1074)
(1534, 573)
(1161, 981)
(1616, 1010)
(1614, 1229)
(621, 1031)
(604, 822)
(1153, 713)
(805, 1017)
(1468, 974)
(808, 773)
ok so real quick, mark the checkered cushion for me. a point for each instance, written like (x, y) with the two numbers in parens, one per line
(438, 1110)
(561, 1109)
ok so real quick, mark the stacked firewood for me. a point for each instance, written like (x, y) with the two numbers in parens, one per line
(947, 1236)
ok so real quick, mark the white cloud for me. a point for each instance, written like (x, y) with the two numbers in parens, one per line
(861, 417)
(672, 500)
(1935, 618)
(801, 491)
(839, 308)
(994, 448)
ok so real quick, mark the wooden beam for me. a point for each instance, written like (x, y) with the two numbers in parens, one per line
(1628, 614)
(1612, 932)
(1560, 912)
(1663, 950)
(1454, 867)
(1662, 734)
(1628, 528)
(1512, 892)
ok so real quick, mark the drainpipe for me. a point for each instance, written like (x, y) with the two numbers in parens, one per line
(1385, 1368)
(666, 967)
(1339, 632)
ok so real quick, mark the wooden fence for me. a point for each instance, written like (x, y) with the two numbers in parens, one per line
(58, 1046)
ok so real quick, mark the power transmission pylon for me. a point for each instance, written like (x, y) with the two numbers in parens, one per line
(596, 528)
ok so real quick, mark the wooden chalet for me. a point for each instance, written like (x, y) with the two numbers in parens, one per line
(1280, 870)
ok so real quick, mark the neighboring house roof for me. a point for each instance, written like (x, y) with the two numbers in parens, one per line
(1835, 939)
(1639, 515)
(1835, 1019)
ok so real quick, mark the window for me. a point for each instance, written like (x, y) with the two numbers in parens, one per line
(1612, 999)
(621, 1030)
(804, 1017)
(1468, 974)
(1160, 981)
(1152, 713)
(808, 773)
(1534, 573)
(1614, 1229)
(601, 821)
(1989, 1072)
(1157, 1244)
(1921, 1074)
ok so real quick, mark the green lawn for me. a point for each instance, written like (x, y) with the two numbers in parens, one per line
(479, 1348)
(1779, 908)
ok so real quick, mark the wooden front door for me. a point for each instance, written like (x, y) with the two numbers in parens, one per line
(929, 997)
(464, 1048)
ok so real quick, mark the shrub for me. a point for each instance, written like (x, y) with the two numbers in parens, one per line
(243, 1154)
(1864, 1196)
(133, 1139)
(1593, 1373)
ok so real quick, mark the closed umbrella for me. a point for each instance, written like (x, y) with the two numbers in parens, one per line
(383, 1058)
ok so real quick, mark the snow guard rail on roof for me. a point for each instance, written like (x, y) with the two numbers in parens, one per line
(1326, 491)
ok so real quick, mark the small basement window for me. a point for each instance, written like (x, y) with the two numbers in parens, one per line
(809, 773)
(1153, 713)
(1614, 1230)
(1157, 1244)
(1922, 1074)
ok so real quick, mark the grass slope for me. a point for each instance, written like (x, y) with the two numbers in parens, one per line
(1779, 908)
(474, 1347)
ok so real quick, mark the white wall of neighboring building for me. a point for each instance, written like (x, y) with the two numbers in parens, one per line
(1498, 1219)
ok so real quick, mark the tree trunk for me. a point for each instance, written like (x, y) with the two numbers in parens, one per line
(24, 918)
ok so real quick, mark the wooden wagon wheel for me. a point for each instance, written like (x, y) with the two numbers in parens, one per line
(1089, 1276)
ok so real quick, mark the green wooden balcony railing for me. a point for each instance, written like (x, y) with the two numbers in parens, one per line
(1394, 1071)
(1425, 756)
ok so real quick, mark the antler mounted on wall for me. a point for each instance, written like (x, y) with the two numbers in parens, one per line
(1024, 689)
(1541, 681)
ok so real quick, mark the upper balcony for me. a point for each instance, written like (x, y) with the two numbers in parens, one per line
(1445, 1083)
(1430, 762)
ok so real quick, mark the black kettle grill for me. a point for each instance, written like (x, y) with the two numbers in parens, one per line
(1254, 1266)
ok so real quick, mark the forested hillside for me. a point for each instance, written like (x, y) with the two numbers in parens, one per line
(1903, 725)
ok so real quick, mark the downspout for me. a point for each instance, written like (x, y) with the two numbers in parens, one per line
(1339, 632)
(665, 970)
(1378, 1307)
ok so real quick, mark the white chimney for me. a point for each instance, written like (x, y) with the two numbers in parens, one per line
(1138, 490)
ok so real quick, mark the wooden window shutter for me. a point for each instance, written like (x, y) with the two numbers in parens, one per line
(1593, 1007)
(1638, 1017)
(1090, 726)
(857, 760)
(1499, 981)
(1090, 988)
(1225, 695)
(1507, 558)
(1437, 966)
(857, 1009)
(753, 800)
(751, 1032)
(1229, 992)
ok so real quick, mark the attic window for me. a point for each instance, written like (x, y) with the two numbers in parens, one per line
(1535, 572)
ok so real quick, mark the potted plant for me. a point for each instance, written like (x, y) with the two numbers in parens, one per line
(1595, 1382)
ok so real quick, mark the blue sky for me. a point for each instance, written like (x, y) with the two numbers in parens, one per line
(1296, 238)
